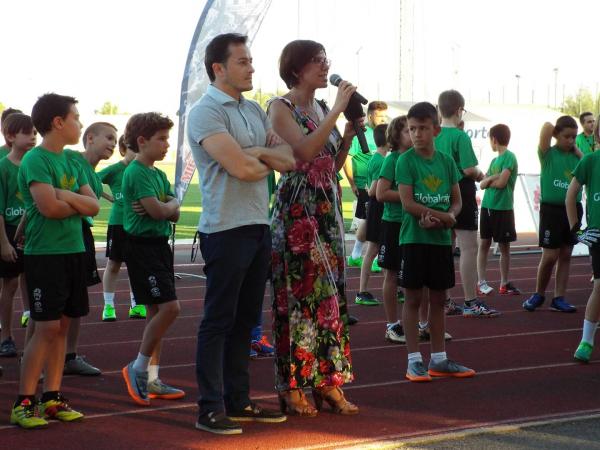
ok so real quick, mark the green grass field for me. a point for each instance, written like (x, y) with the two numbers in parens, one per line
(192, 207)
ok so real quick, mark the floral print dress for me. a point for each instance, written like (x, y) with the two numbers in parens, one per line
(310, 315)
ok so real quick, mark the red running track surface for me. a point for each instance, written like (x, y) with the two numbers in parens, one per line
(524, 364)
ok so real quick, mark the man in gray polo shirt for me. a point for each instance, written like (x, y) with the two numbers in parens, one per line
(235, 150)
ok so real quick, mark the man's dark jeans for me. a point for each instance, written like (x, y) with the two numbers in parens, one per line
(237, 265)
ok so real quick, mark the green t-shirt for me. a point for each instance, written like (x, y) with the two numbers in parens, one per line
(374, 168)
(502, 199)
(4, 150)
(455, 143)
(392, 211)
(360, 160)
(90, 173)
(140, 181)
(11, 200)
(432, 181)
(585, 143)
(585, 172)
(556, 174)
(45, 236)
(113, 176)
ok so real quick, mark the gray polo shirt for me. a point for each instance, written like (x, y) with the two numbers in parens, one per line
(228, 202)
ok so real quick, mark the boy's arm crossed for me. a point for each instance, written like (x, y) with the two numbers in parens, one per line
(47, 202)
(84, 201)
(156, 209)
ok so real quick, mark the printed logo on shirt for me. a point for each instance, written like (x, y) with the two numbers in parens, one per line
(118, 196)
(14, 212)
(432, 182)
(67, 183)
(596, 196)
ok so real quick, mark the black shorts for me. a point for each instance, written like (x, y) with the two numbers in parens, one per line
(498, 225)
(389, 250)
(469, 214)
(91, 269)
(115, 243)
(427, 265)
(56, 286)
(361, 204)
(595, 254)
(555, 231)
(150, 268)
(12, 269)
(374, 213)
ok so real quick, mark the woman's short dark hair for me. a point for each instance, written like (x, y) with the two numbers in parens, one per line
(294, 57)
(217, 50)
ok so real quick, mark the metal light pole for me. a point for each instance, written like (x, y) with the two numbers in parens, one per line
(518, 77)
(555, 70)
(357, 53)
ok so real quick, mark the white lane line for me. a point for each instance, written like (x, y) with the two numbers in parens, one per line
(453, 433)
(349, 387)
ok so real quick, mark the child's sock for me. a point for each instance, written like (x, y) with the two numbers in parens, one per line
(357, 250)
(415, 357)
(141, 363)
(26, 313)
(423, 325)
(438, 357)
(152, 373)
(589, 331)
(109, 298)
(132, 298)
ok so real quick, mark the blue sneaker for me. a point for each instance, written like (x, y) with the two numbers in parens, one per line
(533, 302)
(262, 346)
(561, 305)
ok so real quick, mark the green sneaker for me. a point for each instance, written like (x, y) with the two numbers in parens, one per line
(137, 312)
(109, 314)
(375, 266)
(355, 262)
(59, 409)
(400, 296)
(583, 352)
(26, 416)
(366, 299)
(24, 320)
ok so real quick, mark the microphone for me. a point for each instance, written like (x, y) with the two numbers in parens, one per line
(353, 113)
(335, 79)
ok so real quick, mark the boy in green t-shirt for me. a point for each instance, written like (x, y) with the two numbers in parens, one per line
(115, 237)
(585, 139)
(455, 143)
(4, 149)
(20, 134)
(391, 220)
(428, 186)
(149, 207)
(497, 219)
(586, 173)
(56, 193)
(555, 236)
(373, 221)
(99, 140)
(356, 168)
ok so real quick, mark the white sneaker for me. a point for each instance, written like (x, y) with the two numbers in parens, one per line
(395, 334)
(483, 288)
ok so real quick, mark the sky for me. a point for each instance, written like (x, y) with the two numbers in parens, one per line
(133, 52)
